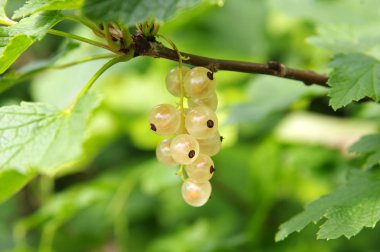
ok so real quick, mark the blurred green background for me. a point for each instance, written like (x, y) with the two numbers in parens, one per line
(119, 198)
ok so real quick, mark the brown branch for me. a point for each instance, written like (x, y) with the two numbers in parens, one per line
(155, 49)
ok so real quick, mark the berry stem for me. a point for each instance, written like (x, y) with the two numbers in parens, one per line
(181, 172)
(180, 77)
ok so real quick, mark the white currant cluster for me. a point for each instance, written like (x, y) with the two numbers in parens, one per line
(193, 131)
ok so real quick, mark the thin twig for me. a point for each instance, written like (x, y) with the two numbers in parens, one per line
(155, 49)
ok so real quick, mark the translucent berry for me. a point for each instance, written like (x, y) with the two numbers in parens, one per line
(199, 83)
(196, 193)
(172, 80)
(163, 152)
(201, 122)
(210, 146)
(184, 149)
(209, 101)
(164, 119)
(201, 169)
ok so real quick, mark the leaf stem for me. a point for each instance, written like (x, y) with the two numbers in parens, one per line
(83, 60)
(19, 76)
(84, 21)
(79, 38)
(94, 78)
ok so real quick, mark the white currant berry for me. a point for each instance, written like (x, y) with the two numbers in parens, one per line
(165, 119)
(201, 122)
(209, 101)
(211, 146)
(199, 82)
(184, 149)
(172, 80)
(196, 193)
(201, 169)
(163, 152)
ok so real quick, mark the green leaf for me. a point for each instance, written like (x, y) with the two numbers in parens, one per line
(133, 11)
(369, 145)
(11, 182)
(14, 40)
(345, 38)
(347, 210)
(354, 77)
(338, 11)
(4, 20)
(12, 50)
(3, 3)
(33, 6)
(38, 136)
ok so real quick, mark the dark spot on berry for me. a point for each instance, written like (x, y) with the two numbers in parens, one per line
(192, 154)
(212, 169)
(210, 75)
(210, 123)
(221, 138)
(153, 127)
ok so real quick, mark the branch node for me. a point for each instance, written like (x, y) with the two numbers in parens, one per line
(277, 68)
(141, 45)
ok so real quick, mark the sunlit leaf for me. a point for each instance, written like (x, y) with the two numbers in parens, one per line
(38, 136)
(33, 6)
(15, 39)
(4, 20)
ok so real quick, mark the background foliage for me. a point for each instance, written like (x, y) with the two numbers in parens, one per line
(284, 147)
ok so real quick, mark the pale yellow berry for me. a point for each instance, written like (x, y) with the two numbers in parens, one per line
(163, 152)
(165, 119)
(201, 169)
(196, 193)
(199, 83)
(201, 122)
(184, 149)
(172, 80)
